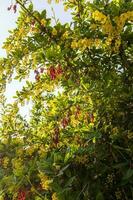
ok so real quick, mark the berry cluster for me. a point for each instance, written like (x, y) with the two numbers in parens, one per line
(65, 122)
(77, 112)
(54, 72)
(91, 118)
(56, 135)
(32, 25)
(13, 7)
(38, 72)
(21, 195)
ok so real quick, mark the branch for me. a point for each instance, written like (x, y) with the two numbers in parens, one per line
(32, 15)
(123, 58)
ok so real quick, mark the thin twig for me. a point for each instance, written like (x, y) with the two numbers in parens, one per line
(32, 15)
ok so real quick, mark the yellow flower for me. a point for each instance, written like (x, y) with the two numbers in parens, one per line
(83, 43)
(54, 32)
(97, 42)
(118, 195)
(5, 162)
(32, 189)
(74, 121)
(38, 198)
(120, 21)
(116, 2)
(21, 31)
(27, 20)
(130, 135)
(98, 16)
(2, 197)
(49, 1)
(45, 181)
(15, 195)
(5, 141)
(108, 41)
(17, 166)
(117, 44)
(54, 196)
(46, 184)
(65, 35)
(93, 26)
(43, 22)
(74, 44)
(42, 151)
(65, 8)
(35, 30)
(57, 1)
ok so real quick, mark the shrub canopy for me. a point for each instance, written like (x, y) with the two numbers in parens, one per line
(77, 144)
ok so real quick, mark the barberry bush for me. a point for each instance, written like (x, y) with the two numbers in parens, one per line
(77, 144)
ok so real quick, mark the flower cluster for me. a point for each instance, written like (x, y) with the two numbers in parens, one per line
(120, 21)
(86, 43)
(99, 16)
(54, 196)
(113, 32)
(5, 162)
(45, 181)
(17, 166)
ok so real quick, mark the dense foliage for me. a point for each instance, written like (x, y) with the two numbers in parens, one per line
(77, 144)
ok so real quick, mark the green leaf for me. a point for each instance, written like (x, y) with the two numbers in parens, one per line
(43, 14)
(62, 170)
(120, 165)
(100, 196)
(128, 174)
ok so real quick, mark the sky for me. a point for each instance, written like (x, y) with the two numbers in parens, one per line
(8, 18)
(7, 22)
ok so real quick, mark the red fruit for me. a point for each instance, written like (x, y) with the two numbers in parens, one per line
(78, 81)
(64, 122)
(9, 8)
(33, 23)
(91, 118)
(77, 112)
(59, 70)
(86, 118)
(52, 73)
(15, 8)
(56, 136)
(36, 71)
(21, 195)
(41, 70)
(37, 77)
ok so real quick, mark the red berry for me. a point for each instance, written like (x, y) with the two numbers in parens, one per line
(59, 70)
(77, 112)
(52, 73)
(41, 70)
(56, 136)
(36, 71)
(64, 122)
(37, 77)
(91, 118)
(21, 195)
(15, 8)
(33, 23)
(9, 8)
